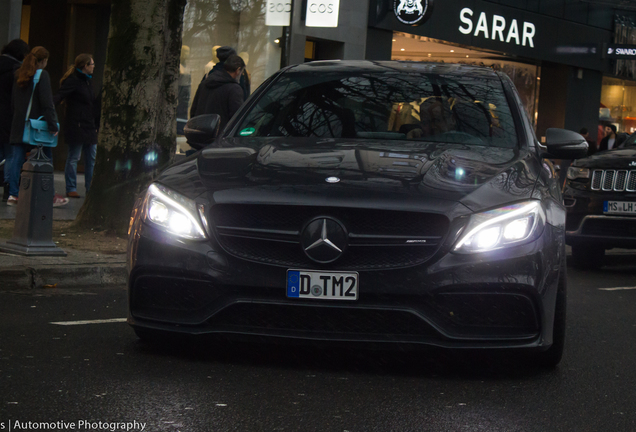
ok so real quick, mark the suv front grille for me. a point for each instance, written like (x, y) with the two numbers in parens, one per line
(377, 239)
(614, 180)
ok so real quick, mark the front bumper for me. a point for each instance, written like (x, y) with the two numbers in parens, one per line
(586, 224)
(503, 299)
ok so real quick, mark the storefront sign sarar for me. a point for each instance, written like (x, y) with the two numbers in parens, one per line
(496, 28)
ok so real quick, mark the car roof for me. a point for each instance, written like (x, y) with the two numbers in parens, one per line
(366, 66)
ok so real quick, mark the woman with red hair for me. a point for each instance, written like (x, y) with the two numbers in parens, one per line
(40, 97)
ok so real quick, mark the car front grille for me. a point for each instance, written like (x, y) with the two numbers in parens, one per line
(323, 319)
(475, 314)
(377, 239)
(613, 180)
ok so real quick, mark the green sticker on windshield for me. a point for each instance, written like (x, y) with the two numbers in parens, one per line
(247, 132)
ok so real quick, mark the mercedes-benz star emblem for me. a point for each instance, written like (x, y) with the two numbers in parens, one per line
(324, 240)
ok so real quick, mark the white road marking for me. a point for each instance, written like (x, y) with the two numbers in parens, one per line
(617, 289)
(102, 321)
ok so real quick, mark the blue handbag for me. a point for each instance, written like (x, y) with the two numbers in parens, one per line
(36, 132)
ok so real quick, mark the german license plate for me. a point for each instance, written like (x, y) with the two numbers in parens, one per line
(619, 207)
(322, 285)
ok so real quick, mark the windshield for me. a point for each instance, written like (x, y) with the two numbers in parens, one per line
(387, 106)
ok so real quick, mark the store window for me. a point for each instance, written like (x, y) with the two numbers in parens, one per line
(525, 76)
(209, 24)
(618, 104)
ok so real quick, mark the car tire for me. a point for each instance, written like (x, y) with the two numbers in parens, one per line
(587, 257)
(551, 358)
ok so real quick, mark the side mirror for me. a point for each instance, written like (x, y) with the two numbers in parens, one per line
(563, 144)
(202, 130)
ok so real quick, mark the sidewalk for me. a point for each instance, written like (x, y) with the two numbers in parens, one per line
(77, 269)
(68, 212)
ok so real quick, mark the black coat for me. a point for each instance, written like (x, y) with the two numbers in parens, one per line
(8, 66)
(42, 106)
(619, 140)
(218, 94)
(82, 109)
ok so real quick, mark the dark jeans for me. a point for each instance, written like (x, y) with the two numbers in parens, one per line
(70, 171)
(18, 154)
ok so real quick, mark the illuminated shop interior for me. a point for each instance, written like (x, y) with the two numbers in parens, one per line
(525, 75)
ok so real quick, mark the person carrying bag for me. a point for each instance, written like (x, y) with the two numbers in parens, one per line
(36, 131)
(32, 99)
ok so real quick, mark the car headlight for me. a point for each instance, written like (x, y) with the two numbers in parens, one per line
(502, 227)
(173, 213)
(576, 173)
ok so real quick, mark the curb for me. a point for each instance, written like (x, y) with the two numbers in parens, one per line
(23, 277)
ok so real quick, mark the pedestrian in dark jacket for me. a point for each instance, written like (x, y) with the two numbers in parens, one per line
(222, 53)
(41, 106)
(82, 121)
(11, 58)
(612, 139)
(220, 93)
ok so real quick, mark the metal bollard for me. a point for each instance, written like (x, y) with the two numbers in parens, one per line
(33, 230)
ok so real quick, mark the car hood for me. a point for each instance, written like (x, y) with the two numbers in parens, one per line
(623, 158)
(413, 175)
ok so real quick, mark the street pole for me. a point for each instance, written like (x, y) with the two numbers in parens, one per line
(33, 229)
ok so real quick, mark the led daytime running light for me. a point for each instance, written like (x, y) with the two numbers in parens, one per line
(166, 199)
(532, 211)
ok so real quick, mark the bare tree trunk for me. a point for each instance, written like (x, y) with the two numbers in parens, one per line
(137, 138)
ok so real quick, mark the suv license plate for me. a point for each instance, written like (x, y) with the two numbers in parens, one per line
(619, 207)
(322, 285)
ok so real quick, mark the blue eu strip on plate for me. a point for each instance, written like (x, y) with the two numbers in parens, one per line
(293, 283)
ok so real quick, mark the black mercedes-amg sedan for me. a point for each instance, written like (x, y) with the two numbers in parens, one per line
(600, 198)
(376, 202)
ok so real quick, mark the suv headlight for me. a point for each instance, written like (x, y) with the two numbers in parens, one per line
(173, 213)
(502, 227)
(576, 173)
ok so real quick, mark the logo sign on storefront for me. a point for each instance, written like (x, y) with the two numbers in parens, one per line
(278, 13)
(412, 12)
(625, 52)
(322, 13)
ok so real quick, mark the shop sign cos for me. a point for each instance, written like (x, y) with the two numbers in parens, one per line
(322, 13)
(278, 13)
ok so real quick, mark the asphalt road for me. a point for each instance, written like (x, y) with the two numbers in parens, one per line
(100, 372)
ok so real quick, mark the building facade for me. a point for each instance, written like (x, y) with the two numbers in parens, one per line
(555, 51)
